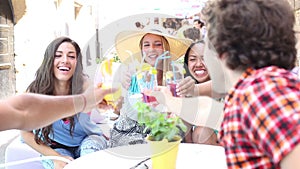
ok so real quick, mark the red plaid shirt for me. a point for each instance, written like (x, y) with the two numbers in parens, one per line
(262, 119)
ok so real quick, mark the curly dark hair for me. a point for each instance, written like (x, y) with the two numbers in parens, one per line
(44, 82)
(252, 33)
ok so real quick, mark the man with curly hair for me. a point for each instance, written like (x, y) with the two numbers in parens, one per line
(255, 43)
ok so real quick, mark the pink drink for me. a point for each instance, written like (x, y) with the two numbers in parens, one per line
(148, 99)
(172, 87)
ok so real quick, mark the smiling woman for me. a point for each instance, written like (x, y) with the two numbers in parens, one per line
(196, 68)
(194, 63)
(148, 46)
(61, 73)
(65, 61)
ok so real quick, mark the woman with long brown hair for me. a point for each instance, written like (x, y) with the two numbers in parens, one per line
(61, 73)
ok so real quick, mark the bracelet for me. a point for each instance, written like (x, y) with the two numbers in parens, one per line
(84, 102)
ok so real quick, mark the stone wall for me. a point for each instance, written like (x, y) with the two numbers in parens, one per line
(296, 6)
(7, 68)
(297, 26)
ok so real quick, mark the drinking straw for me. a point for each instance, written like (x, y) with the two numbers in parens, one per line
(150, 84)
(161, 57)
(131, 56)
(173, 69)
(133, 86)
(144, 55)
(132, 60)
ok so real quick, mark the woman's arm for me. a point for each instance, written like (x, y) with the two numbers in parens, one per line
(45, 150)
(206, 89)
(187, 87)
(203, 89)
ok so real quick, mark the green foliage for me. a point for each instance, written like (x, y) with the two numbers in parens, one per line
(113, 54)
(116, 58)
(99, 60)
(161, 125)
(180, 60)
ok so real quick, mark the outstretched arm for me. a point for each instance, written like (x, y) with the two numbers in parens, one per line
(29, 111)
(199, 111)
(187, 87)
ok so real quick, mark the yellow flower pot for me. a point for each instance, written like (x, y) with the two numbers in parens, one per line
(164, 153)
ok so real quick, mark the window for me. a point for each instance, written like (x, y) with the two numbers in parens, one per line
(57, 3)
(77, 8)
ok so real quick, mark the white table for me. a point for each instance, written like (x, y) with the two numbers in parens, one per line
(189, 156)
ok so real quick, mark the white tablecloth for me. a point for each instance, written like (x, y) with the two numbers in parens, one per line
(190, 156)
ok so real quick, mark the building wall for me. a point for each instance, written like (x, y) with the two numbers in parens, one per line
(43, 21)
(7, 68)
(297, 27)
(295, 4)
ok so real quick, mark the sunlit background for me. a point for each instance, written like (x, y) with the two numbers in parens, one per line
(43, 20)
(35, 23)
(28, 26)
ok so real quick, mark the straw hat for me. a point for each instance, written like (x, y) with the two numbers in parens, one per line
(128, 42)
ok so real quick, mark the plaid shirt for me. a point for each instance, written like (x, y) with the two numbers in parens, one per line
(262, 117)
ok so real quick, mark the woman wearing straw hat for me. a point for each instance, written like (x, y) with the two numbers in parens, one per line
(134, 48)
(134, 45)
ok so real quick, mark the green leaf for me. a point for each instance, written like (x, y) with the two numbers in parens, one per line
(160, 124)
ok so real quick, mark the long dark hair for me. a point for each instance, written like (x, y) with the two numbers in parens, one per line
(44, 82)
(186, 60)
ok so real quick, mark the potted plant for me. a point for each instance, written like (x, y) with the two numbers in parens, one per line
(164, 136)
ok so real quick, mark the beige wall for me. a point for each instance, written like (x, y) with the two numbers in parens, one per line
(41, 22)
(296, 6)
(38, 25)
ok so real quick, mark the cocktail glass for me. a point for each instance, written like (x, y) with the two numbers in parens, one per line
(147, 81)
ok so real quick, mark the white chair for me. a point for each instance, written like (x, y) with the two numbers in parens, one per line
(18, 150)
